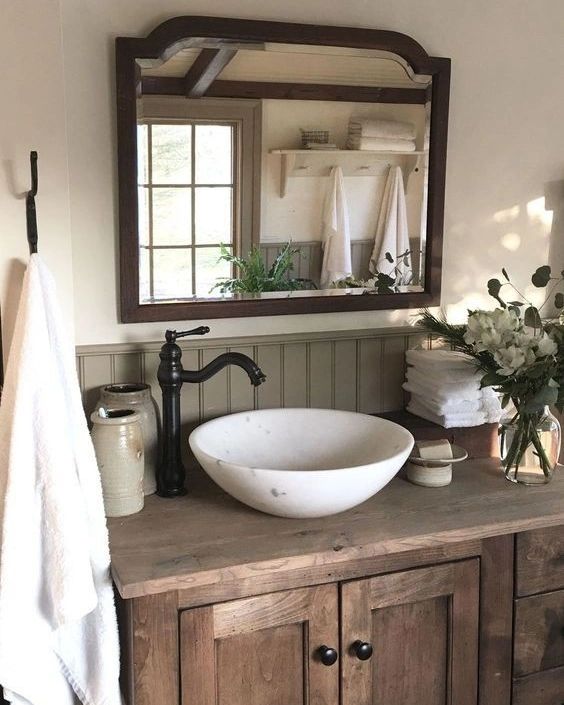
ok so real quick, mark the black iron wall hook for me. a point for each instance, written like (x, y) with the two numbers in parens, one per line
(31, 215)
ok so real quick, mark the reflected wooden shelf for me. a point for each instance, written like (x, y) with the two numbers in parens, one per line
(294, 162)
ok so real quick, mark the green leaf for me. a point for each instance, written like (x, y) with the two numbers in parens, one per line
(532, 317)
(547, 396)
(559, 300)
(516, 303)
(389, 257)
(504, 272)
(491, 379)
(541, 277)
(494, 287)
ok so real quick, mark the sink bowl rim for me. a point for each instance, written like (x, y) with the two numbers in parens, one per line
(237, 466)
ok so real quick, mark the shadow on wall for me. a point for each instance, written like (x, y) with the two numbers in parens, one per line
(554, 201)
(11, 297)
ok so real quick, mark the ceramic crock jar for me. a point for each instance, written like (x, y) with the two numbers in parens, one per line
(118, 443)
(138, 397)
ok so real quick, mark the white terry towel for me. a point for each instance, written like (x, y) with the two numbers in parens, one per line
(475, 418)
(390, 129)
(487, 405)
(440, 361)
(336, 233)
(380, 144)
(58, 630)
(453, 392)
(391, 232)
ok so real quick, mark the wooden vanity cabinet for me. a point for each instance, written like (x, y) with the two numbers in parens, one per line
(264, 650)
(538, 655)
(409, 637)
(422, 628)
(418, 597)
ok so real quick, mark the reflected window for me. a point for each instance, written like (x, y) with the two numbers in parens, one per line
(187, 194)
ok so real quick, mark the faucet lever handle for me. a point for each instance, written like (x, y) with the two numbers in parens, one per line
(172, 335)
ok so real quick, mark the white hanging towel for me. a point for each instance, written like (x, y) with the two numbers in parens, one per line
(336, 234)
(58, 630)
(392, 232)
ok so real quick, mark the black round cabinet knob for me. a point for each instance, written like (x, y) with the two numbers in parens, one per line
(327, 655)
(362, 650)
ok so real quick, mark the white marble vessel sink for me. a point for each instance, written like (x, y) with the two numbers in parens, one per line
(301, 462)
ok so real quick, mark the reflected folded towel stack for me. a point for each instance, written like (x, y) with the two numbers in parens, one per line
(381, 135)
(445, 389)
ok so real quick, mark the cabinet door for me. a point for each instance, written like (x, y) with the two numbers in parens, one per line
(262, 650)
(412, 637)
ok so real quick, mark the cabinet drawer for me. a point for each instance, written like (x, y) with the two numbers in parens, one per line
(540, 561)
(545, 688)
(539, 633)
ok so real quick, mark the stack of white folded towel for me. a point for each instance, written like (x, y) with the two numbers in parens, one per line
(381, 135)
(445, 389)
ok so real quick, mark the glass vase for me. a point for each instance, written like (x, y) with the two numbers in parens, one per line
(529, 447)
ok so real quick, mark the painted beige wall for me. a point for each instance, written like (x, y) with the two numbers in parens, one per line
(506, 137)
(32, 116)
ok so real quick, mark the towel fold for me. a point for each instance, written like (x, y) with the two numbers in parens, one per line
(380, 144)
(58, 631)
(441, 396)
(433, 382)
(336, 234)
(443, 361)
(390, 129)
(485, 405)
(466, 420)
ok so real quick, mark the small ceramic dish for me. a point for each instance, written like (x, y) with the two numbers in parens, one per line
(433, 472)
(458, 455)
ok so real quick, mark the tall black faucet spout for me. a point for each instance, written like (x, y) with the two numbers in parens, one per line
(171, 375)
(256, 375)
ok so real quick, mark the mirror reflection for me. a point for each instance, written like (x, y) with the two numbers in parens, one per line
(275, 170)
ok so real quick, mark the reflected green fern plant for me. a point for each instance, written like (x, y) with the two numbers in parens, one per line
(253, 276)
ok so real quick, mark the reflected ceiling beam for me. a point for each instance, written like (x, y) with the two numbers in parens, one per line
(168, 85)
(206, 68)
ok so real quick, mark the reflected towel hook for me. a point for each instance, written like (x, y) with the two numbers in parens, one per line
(31, 214)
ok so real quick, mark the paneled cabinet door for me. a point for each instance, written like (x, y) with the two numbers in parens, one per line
(264, 650)
(412, 637)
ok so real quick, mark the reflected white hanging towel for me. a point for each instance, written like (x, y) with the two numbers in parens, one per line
(58, 629)
(391, 232)
(336, 233)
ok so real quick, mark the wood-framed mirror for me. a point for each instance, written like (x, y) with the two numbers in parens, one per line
(273, 168)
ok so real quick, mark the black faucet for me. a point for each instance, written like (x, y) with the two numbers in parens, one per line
(171, 473)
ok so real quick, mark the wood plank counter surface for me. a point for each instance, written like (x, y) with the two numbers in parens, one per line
(200, 542)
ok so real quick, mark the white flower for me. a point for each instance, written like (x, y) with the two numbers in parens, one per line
(510, 360)
(489, 330)
(546, 346)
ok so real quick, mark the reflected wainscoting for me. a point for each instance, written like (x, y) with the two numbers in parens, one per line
(351, 370)
(307, 262)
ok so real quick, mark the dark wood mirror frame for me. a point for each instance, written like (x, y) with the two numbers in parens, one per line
(180, 32)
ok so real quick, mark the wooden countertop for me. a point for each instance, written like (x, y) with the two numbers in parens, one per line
(205, 537)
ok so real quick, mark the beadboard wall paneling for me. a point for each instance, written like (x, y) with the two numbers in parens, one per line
(307, 262)
(353, 370)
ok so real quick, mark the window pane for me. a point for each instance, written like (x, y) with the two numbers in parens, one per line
(172, 274)
(144, 269)
(172, 223)
(214, 154)
(143, 207)
(214, 218)
(142, 154)
(171, 153)
(208, 269)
